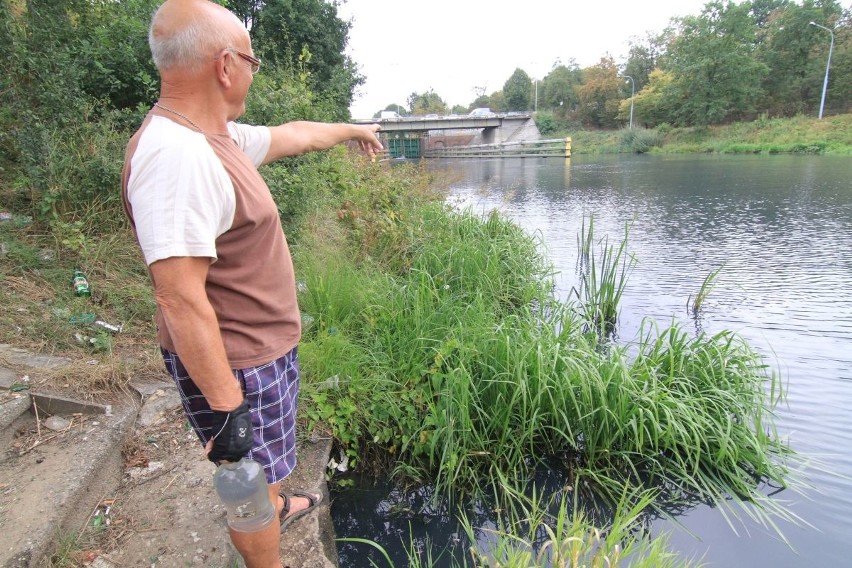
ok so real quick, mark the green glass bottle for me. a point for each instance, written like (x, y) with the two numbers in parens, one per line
(81, 285)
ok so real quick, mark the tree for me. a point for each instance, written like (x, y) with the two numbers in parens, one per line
(304, 35)
(558, 90)
(796, 53)
(61, 56)
(839, 98)
(246, 10)
(114, 52)
(479, 102)
(497, 101)
(600, 94)
(643, 57)
(715, 74)
(426, 103)
(516, 91)
(650, 105)
(397, 108)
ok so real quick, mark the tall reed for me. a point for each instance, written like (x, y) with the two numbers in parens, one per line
(555, 532)
(603, 278)
(694, 305)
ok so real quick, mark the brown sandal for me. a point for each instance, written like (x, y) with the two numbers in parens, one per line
(314, 501)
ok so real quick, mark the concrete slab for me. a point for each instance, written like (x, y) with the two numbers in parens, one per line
(309, 543)
(18, 356)
(12, 407)
(53, 404)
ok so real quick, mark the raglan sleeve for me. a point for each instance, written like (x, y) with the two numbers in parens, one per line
(254, 140)
(181, 198)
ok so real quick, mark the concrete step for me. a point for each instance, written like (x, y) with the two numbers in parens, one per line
(12, 407)
(51, 480)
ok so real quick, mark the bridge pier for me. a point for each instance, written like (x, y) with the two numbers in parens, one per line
(489, 135)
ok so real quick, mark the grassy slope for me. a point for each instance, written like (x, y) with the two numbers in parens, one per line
(831, 135)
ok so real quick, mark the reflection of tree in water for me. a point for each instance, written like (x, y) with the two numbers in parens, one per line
(400, 520)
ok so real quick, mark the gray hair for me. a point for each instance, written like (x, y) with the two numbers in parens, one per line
(190, 46)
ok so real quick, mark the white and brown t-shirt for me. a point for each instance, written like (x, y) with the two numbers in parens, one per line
(188, 193)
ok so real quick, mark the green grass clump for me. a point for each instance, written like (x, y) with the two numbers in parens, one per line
(603, 278)
(454, 365)
(640, 140)
(534, 529)
(534, 534)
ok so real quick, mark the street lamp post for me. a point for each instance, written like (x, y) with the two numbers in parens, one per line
(632, 91)
(535, 108)
(827, 66)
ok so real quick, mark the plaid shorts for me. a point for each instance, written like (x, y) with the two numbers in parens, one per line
(272, 391)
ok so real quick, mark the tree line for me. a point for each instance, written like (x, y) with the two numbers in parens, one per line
(733, 61)
(78, 79)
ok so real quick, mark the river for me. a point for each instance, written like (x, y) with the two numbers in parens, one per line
(780, 228)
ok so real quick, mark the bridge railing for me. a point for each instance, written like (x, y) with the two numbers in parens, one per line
(555, 147)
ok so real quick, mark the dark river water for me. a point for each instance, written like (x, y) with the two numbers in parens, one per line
(781, 229)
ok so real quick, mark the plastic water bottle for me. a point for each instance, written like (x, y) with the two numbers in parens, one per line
(242, 488)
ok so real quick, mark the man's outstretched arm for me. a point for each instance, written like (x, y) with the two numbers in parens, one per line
(300, 137)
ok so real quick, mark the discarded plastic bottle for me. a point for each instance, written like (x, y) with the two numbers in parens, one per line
(81, 285)
(242, 488)
(101, 324)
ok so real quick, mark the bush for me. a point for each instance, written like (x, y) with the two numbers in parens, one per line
(640, 140)
(545, 122)
(664, 128)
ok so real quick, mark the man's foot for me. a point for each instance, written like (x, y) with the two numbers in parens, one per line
(297, 504)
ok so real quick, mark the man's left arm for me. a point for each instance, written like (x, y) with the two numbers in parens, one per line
(300, 137)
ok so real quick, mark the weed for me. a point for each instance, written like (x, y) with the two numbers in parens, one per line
(67, 553)
(375, 545)
(706, 287)
(460, 365)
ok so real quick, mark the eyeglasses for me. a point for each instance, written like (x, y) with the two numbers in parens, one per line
(253, 61)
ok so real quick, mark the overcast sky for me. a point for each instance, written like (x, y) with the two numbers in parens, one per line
(456, 46)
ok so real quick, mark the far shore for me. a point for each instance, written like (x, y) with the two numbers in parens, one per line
(831, 135)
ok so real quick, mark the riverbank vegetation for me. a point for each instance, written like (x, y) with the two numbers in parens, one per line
(451, 362)
(433, 349)
(795, 135)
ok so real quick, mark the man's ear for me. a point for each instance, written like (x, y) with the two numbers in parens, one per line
(224, 68)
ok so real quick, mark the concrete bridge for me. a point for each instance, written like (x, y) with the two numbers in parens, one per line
(409, 136)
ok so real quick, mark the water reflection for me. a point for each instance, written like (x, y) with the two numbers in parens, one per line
(779, 226)
(416, 521)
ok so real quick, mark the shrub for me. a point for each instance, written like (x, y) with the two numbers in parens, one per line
(664, 128)
(545, 122)
(640, 140)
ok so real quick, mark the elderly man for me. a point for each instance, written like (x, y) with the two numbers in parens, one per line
(228, 321)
